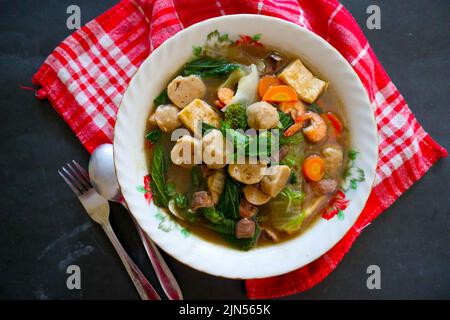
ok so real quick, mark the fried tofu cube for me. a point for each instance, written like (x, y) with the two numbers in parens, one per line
(307, 86)
(198, 111)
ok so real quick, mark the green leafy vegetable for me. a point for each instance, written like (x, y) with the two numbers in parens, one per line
(212, 215)
(285, 121)
(189, 215)
(264, 138)
(315, 108)
(170, 187)
(163, 98)
(243, 142)
(153, 136)
(196, 176)
(236, 137)
(230, 199)
(289, 161)
(207, 67)
(285, 210)
(233, 79)
(297, 155)
(249, 144)
(295, 139)
(235, 117)
(206, 127)
(227, 226)
(293, 179)
(158, 181)
(181, 200)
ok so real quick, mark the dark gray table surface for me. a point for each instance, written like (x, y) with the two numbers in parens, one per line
(43, 228)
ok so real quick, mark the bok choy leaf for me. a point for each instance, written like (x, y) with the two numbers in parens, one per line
(207, 67)
(230, 199)
(158, 182)
(285, 211)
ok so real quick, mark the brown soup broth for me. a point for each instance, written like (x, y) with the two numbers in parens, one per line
(181, 177)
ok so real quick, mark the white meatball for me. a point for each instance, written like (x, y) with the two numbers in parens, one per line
(262, 115)
(166, 117)
(186, 152)
(334, 157)
(183, 90)
(214, 146)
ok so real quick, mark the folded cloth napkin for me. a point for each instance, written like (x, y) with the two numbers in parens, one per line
(87, 74)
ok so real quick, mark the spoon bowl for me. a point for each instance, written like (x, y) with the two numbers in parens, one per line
(103, 174)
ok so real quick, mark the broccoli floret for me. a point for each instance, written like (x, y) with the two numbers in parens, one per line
(235, 117)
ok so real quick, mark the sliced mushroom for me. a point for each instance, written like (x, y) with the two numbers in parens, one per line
(216, 183)
(245, 228)
(186, 151)
(276, 179)
(246, 209)
(254, 195)
(201, 199)
(272, 234)
(182, 90)
(166, 117)
(174, 209)
(247, 173)
(274, 61)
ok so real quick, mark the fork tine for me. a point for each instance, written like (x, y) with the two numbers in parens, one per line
(74, 180)
(83, 172)
(74, 189)
(81, 178)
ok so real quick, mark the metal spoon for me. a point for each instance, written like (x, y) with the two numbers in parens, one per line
(103, 177)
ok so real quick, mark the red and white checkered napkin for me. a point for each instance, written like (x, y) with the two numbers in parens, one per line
(86, 76)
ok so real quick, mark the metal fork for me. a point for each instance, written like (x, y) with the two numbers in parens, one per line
(98, 209)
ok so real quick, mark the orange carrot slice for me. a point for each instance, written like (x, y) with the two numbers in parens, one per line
(280, 93)
(265, 83)
(314, 168)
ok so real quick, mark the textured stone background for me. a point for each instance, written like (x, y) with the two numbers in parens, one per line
(43, 228)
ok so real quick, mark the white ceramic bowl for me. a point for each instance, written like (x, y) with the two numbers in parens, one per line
(131, 166)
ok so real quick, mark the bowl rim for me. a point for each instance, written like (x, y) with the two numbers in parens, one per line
(174, 39)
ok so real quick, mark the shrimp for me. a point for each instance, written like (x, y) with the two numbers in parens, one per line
(298, 110)
(317, 128)
(294, 108)
(225, 95)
